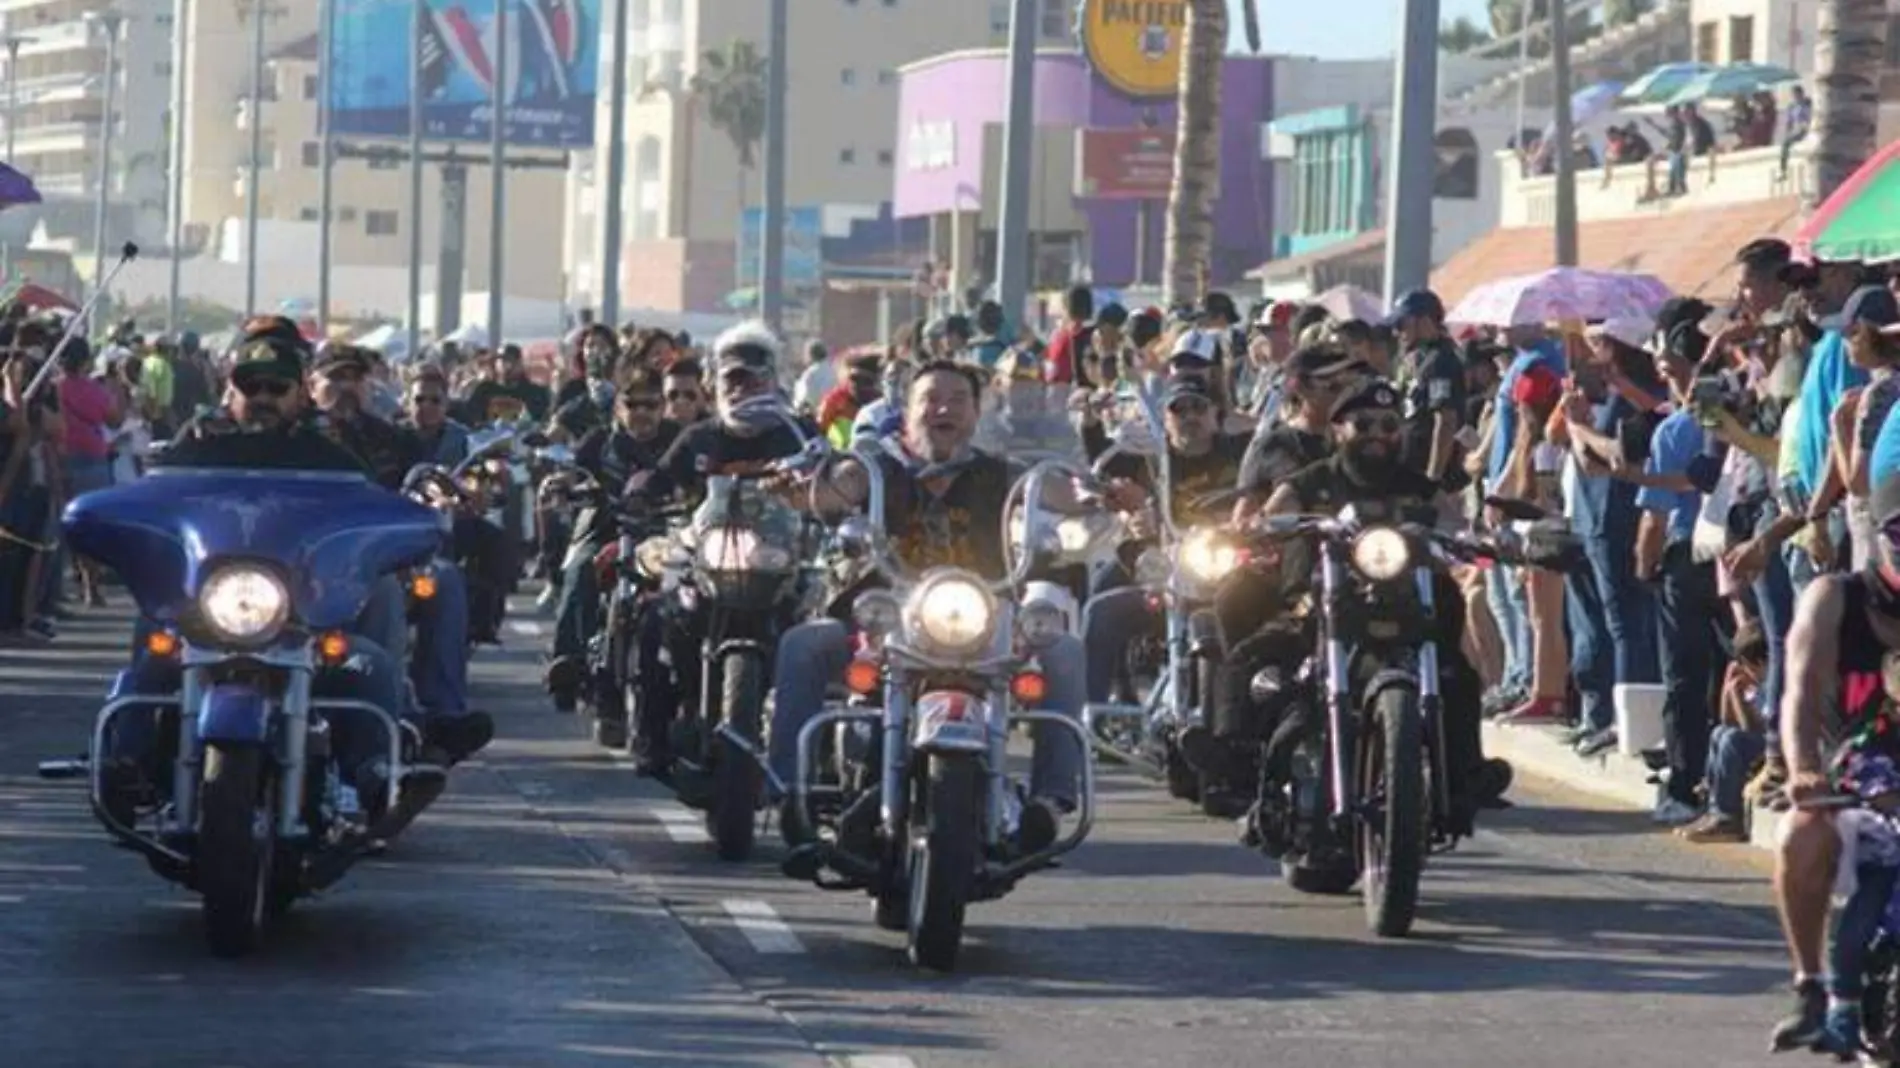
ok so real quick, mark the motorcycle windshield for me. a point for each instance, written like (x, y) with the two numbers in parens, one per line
(330, 535)
(735, 503)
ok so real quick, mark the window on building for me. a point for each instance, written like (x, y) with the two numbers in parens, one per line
(1056, 16)
(848, 76)
(163, 68)
(1457, 174)
(999, 18)
(884, 157)
(1741, 38)
(847, 155)
(385, 163)
(309, 87)
(312, 154)
(1893, 41)
(346, 215)
(1707, 34)
(379, 223)
(887, 77)
(308, 214)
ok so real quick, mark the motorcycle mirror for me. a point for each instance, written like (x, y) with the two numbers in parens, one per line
(1515, 510)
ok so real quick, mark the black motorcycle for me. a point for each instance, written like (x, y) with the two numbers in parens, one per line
(1355, 780)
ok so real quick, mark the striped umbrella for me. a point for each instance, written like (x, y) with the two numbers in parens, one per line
(1858, 221)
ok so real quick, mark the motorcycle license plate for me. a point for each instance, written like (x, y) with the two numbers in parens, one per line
(949, 719)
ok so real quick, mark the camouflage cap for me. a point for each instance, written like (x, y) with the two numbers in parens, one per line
(267, 357)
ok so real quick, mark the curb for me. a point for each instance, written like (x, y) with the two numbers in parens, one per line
(1612, 777)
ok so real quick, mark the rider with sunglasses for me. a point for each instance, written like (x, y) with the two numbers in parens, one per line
(639, 437)
(1366, 470)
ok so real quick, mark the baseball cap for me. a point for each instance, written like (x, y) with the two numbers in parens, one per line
(1111, 314)
(1276, 314)
(1321, 361)
(1875, 306)
(1196, 346)
(336, 357)
(265, 358)
(1187, 387)
(1419, 303)
(1376, 395)
(1632, 331)
(1537, 387)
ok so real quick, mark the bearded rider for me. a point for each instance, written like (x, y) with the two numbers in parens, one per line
(267, 424)
(944, 507)
(1367, 471)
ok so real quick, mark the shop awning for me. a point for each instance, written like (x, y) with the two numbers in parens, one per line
(1693, 251)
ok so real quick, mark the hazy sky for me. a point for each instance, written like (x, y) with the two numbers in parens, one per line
(1348, 29)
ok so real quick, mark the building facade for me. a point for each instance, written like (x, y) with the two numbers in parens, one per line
(686, 190)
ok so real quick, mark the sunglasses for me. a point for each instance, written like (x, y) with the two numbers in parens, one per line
(265, 387)
(1375, 423)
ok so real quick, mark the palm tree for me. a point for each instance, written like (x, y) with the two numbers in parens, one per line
(1190, 235)
(1462, 35)
(1620, 12)
(1851, 40)
(729, 89)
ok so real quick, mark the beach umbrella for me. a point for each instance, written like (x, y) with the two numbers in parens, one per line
(1663, 82)
(1736, 79)
(1560, 294)
(1858, 221)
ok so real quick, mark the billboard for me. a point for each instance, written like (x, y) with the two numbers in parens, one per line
(804, 247)
(1135, 164)
(1135, 45)
(551, 80)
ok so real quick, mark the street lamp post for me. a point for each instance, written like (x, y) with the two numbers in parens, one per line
(1019, 145)
(175, 224)
(255, 166)
(608, 192)
(416, 21)
(772, 247)
(1408, 228)
(498, 172)
(107, 23)
(13, 42)
(326, 30)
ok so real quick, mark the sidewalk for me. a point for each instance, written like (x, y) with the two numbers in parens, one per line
(1623, 780)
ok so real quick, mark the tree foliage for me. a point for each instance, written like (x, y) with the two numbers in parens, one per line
(730, 88)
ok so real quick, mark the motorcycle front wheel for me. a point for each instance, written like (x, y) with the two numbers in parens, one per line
(1392, 837)
(943, 858)
(734, 816)
(233, 861)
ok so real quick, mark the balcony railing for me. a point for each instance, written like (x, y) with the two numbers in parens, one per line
(1634, 189)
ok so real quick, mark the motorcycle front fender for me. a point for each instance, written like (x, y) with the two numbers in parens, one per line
(234, 714)
(950, 721)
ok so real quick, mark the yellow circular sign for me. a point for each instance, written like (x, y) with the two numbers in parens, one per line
(1135, 45)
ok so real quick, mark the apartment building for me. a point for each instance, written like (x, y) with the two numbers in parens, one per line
(55, 126)
(685, 192)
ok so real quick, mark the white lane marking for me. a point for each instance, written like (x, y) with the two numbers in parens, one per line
(681, 824)
(879, 1060)
(535, 791)
(762, 927)
(529, 628)
(11, 899)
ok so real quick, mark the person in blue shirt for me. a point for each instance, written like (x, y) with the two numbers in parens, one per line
(1678, 471)
(1810, 484)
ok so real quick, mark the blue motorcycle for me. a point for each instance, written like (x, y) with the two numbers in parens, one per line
(249, 583)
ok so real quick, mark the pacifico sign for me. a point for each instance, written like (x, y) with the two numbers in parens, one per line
(1135, 45)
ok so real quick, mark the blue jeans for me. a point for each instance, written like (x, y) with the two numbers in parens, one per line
(1592, 649)
(1689, 613)
(1732, 755)
(1111, 621)
(439, 666)
(1629, 609)
(811, 655)
(1504, 590)
(1855, 926)
(577, 604)
(1774, 601)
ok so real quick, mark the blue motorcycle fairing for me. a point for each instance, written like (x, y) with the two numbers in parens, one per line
(331, 536)
(234, 713)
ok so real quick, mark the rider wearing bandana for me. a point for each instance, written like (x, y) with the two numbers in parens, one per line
(752, 424)
(945, 507)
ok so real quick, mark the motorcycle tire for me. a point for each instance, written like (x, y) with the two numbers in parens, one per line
(233, 867)
(1184, 783)
(944, 854)
(1392, 845)
(734, 818)
(1330, 880)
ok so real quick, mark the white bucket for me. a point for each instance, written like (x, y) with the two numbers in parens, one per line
(1639, 716)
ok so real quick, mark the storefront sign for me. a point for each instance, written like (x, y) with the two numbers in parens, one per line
(930, 146)
(1135, 45)
(1133, 164)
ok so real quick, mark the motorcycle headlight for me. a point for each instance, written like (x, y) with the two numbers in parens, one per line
(954, 613)
(875, 613)
(1206, 556)
(1073, 534)
(243, 603)
(740, 550)
(1381, 554)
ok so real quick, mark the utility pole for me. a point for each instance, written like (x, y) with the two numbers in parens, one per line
(175, 220)
(772, 247)
(326, 195)
(13, 42)
(107, 22)
(616, 176)
(255, 167)
(1408, 202)
(1019, 133)
(497, 174)
(1566, 205)
(416, 16)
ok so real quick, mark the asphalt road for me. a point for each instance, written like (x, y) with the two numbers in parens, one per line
(552, 911)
